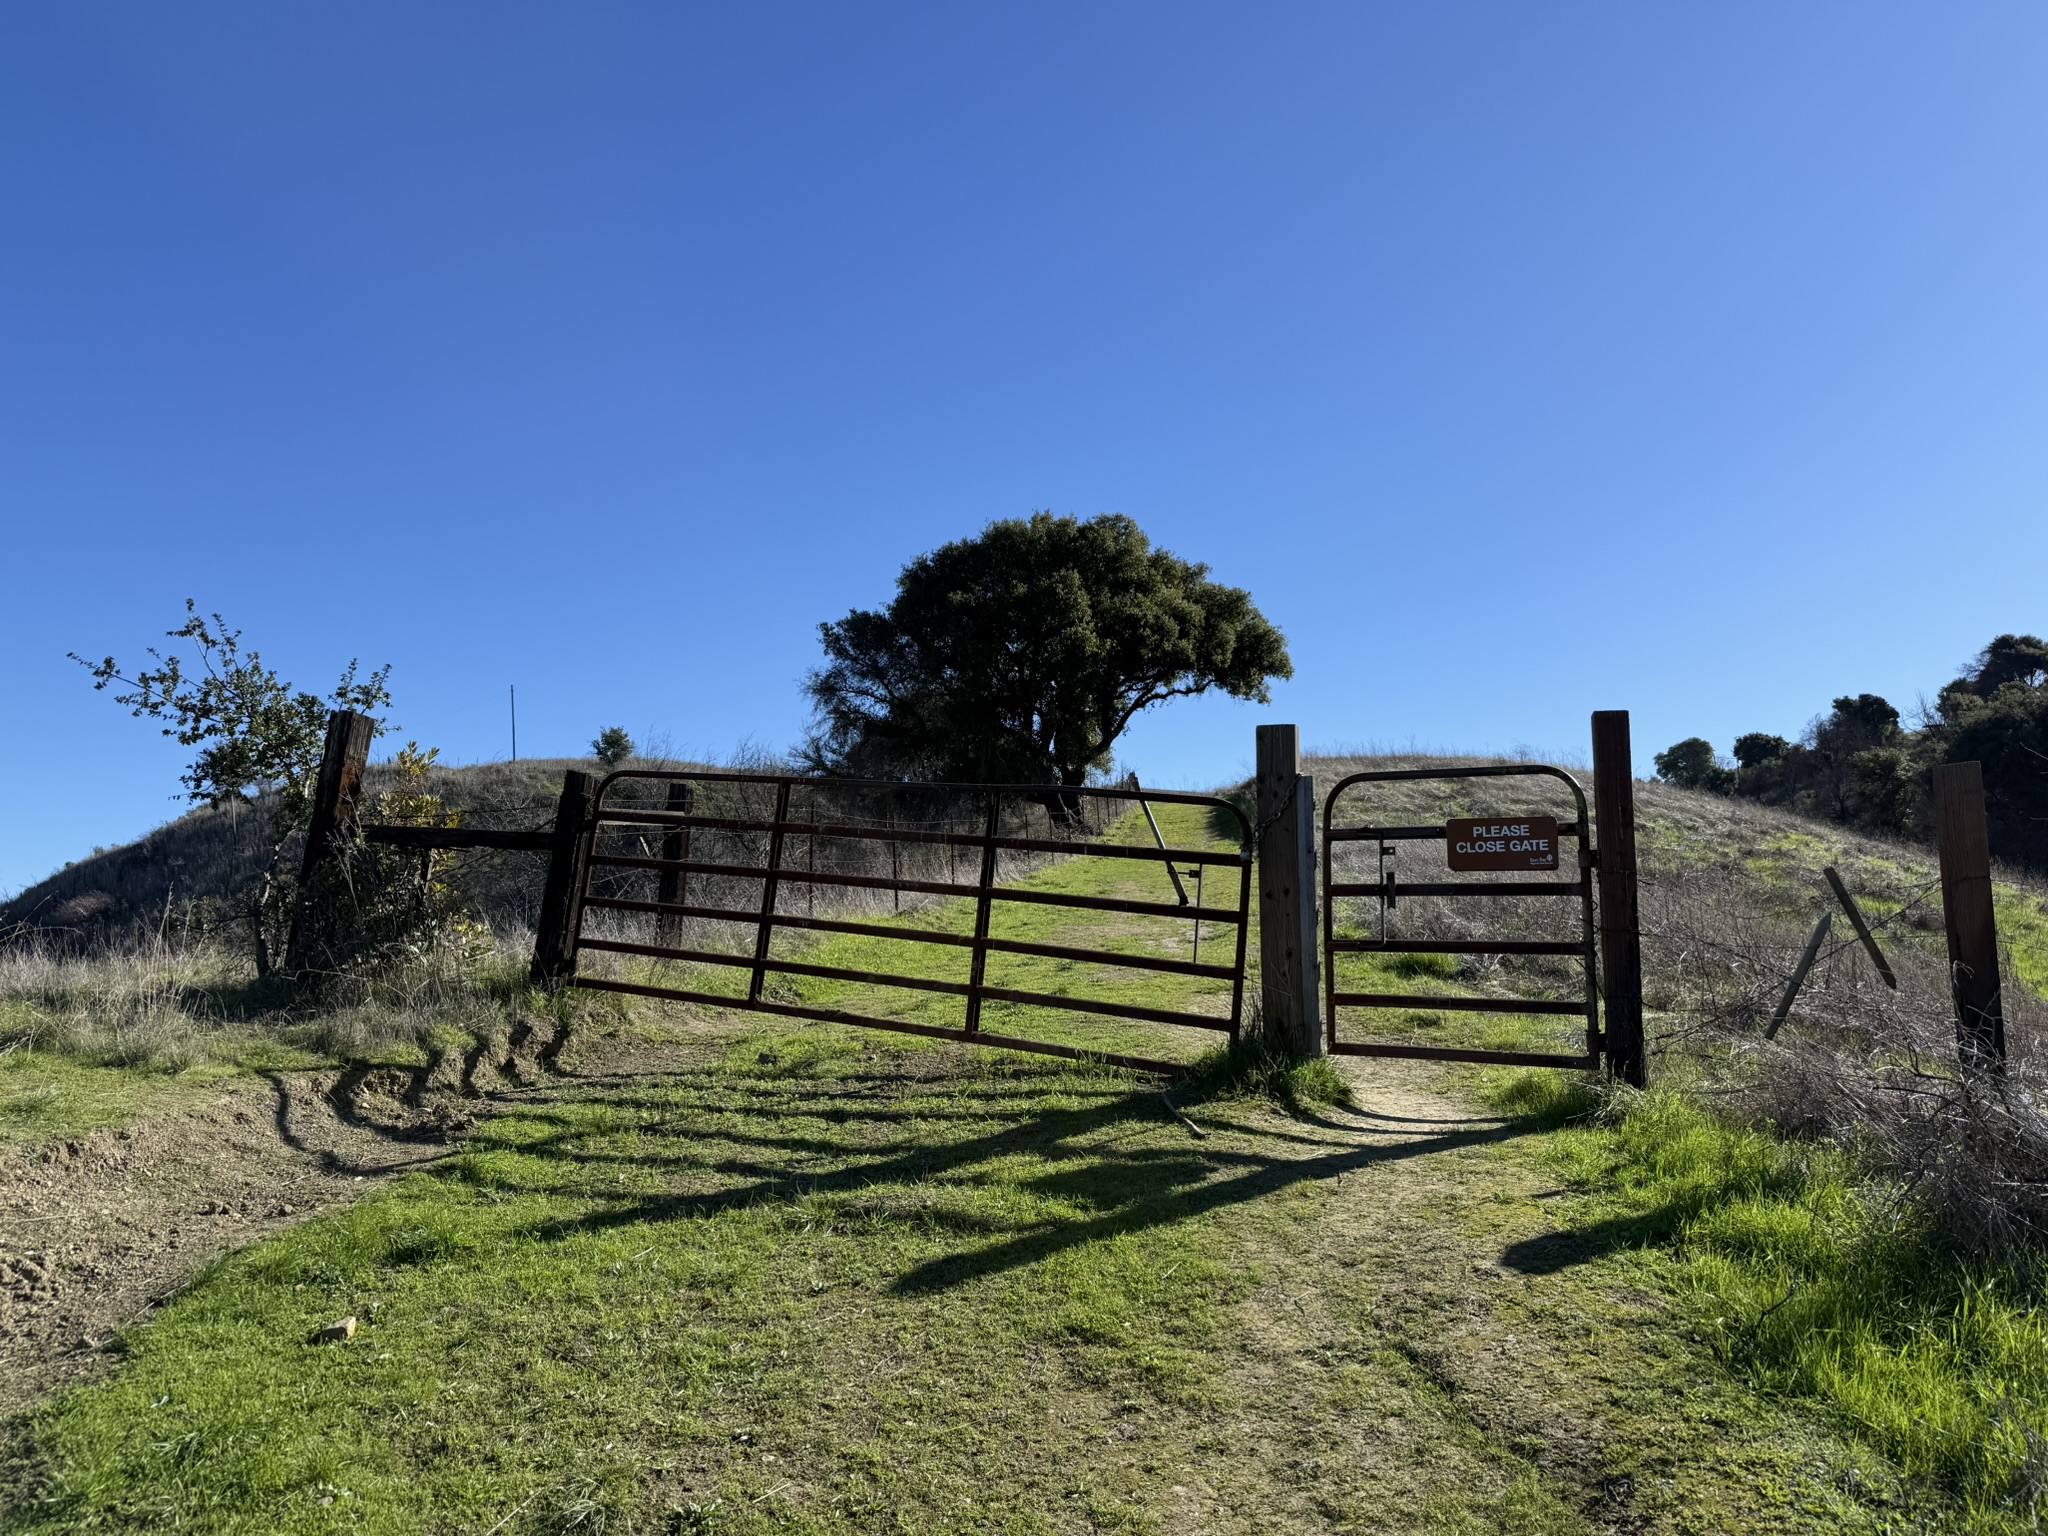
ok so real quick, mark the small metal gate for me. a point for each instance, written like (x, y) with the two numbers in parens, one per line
(768, 846)
(1387, 890)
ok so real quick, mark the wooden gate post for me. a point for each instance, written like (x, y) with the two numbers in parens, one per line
(561, 898)
(1621, 941)
(1964, 844)
(1288, 975)
(338, 787)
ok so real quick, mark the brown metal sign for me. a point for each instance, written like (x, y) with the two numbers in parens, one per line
(1501, 843)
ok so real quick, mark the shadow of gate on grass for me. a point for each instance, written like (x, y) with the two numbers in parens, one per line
(1130, 1189)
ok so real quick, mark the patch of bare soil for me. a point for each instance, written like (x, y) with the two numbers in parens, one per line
(98, 1231)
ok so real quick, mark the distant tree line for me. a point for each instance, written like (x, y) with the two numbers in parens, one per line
(1861, 765)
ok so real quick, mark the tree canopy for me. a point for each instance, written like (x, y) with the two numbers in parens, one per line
(1691, 764)
(1021, 655)
(1860, 764)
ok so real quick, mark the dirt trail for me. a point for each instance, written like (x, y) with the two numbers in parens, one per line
(99, 1230)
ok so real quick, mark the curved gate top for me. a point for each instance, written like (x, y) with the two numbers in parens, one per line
(1513, 882)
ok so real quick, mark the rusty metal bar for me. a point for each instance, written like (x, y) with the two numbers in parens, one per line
(1459, 1053)
(1158, 837)
(1244, 930)
(1462, 888)
(1426, 1002)
(901, 1027)
(978, 966)
(1458, 946)
(1032, 792)
(769, 889)
(922, 936)
(933, 888)
(1073, 847)
(907, 983)
(1425, 834)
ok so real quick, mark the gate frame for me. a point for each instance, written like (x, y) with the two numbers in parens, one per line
(675, 824)
(1390, 889)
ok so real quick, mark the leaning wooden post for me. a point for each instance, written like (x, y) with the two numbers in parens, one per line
(1621, 940)
(1288, 976)
(561, 899)
(338, 787)
(1964, 843)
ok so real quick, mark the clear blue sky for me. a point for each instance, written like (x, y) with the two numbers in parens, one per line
(1520, 360)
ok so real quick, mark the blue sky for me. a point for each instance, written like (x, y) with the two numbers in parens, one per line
(1520, 360)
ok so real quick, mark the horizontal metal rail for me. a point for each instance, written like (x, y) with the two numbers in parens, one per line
(1461, 888)
(796, 832)
(790, 876)
(899, 1026)
(1424, 1001)
(920, 936)
(852, 832)
(1419, 834)
(1584, 1063)
(1457, 947)
(1388, 891)
(909, 983)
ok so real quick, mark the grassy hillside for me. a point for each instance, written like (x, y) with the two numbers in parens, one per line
(189, 874)
(720, 1274)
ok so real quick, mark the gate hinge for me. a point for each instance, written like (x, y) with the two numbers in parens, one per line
(1589, 858)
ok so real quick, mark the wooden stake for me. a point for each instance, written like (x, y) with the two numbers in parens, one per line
(1287, 894)
(1813, 944)
(1621, 943)
(1964, 843)
(1862, 928)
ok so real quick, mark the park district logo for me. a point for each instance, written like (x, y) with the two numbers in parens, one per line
(1475, 842)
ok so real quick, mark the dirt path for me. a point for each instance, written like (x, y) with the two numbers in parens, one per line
(98, 1231)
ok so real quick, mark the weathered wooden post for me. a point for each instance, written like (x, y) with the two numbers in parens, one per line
(1621, 942)
(1964, 844)
(336, 789)
(561, 898)
(1288, 974)
(338, 786)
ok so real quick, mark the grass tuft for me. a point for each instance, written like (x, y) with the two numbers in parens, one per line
(1251, 1069)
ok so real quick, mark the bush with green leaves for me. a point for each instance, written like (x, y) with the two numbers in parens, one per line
(612, 746)
(259, 739)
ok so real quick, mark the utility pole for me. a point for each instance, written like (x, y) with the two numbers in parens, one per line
(513, 689)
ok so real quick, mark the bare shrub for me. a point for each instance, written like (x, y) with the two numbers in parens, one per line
(1729, 897)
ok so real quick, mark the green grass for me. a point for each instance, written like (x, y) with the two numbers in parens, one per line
(826, 1281)
(819, 1281)
(1811, 1283)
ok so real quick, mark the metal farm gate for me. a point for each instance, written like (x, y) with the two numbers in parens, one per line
(691, 875)
(1504, 849)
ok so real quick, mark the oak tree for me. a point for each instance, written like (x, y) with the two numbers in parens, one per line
(1022, 654)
